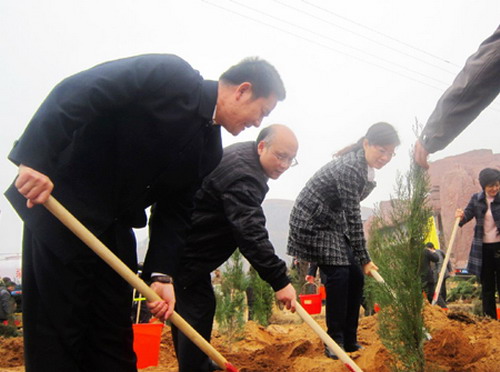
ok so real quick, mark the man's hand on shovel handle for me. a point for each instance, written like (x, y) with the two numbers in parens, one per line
(33, 185)
(287, 296)
(162, 309)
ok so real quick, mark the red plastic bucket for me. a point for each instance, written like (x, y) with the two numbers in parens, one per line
(147, 337)
(311, 302)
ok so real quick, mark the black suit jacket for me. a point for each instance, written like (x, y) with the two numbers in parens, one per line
(116, 138)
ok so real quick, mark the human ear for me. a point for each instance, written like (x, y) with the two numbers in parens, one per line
(260, 147)
(243, 88)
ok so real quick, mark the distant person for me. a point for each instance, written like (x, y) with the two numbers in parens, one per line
(429, 256)
(438, 265)
(326, 227)
(228, 214)
(108, 142)
(484, 257)
(474, 88)
(312, 271)
(7, 302)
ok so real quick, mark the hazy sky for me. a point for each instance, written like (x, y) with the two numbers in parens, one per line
(346, 65)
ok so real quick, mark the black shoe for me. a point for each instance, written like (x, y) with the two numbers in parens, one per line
(353, 347)
(330, 354)
(212, 366)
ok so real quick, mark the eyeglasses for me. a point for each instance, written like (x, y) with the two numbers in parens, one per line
(291, 162)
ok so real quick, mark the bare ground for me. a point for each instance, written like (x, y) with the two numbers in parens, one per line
(460, 342)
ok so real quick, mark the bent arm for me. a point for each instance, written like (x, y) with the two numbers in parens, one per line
(474, 88)
(242, 207)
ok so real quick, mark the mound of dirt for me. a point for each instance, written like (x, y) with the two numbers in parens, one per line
(11, 351)
(460, 342)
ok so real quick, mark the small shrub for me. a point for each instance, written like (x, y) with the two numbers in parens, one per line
(261, 305)
(230, 297)
(465, 290)
(8, 331)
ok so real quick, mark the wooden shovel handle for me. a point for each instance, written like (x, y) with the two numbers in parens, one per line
(63, 215)
(377, 276)
(332, 345)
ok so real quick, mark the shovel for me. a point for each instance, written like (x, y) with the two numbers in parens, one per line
(332, 345)
(445, 262)
(63, 215)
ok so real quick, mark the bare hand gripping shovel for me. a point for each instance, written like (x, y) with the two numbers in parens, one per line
(63, 215)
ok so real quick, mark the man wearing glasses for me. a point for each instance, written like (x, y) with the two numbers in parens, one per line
(228, 215)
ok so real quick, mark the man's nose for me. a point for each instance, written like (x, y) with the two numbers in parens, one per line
(257, 123)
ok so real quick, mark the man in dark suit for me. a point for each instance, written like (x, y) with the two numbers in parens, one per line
(108, 142)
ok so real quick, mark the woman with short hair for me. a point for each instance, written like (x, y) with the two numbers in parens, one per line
(484, 257)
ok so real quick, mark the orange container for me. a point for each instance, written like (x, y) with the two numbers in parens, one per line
(147, 337)
(311, 302)
(322, 292)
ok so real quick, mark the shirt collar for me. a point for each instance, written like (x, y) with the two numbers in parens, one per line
(208, 100)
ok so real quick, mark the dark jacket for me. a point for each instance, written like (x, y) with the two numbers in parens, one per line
(474, 88)
(477, 209)
(325, 222)
(7, 303)
(439, 265)
(116, 138)
(228, 215)
(426, 271)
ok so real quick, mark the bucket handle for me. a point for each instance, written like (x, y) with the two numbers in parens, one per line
(307, 283)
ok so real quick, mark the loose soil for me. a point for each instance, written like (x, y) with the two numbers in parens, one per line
(460, 342)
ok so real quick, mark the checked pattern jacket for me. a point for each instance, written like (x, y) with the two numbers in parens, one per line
(325, 222)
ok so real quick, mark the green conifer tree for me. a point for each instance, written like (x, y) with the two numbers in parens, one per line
(396, 243)
(231, 306)
(261, 306)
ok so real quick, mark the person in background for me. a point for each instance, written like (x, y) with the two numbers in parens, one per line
(228, 215)
(474, 88)
(429, 256)
(326, 227)
(7, 302)
(108, 142)
(312, 271)
(484, 256)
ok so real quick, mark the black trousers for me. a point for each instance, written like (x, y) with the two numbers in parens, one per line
(76, 316)
(490, 277)
(195, 302)
(344, 292)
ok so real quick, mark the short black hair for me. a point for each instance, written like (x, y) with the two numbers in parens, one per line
(429, 245)
(264, 78)
(488, 176)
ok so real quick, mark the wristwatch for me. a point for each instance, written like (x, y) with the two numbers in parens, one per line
(167, 279)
